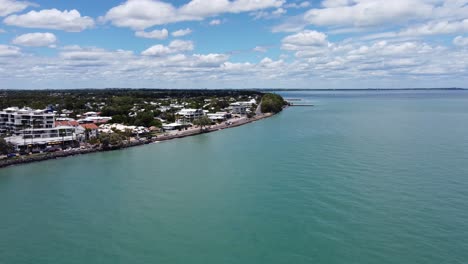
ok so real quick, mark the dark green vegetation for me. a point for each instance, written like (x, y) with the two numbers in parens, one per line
(113, 139)
(79, 99)
(203, 121)
(127, 106)
(5, 147)
(272, 103)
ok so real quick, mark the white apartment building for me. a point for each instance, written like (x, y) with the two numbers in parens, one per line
(14, 119)
(219, 116)
(238, 109)
(41, 138)
(189, 115)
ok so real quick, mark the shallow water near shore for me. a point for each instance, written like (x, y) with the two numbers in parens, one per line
(361, 177)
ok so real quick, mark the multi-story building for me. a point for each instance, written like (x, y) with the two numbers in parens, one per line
(14, 119)
(219, 116)
(189, 115)
(41, 138)
(238, 109)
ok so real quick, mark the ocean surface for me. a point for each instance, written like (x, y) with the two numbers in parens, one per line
(361, 177)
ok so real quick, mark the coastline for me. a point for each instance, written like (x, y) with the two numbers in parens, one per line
(179, 134)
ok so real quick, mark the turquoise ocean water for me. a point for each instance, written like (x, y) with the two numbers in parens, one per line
(362, 177)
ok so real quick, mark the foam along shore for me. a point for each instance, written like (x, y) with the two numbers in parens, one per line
(165, 137)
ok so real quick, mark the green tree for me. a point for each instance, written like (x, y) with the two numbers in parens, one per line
(104, 138)
(169, 117)
(272, 103)
(6, 147)
(110, 140)
(145, 119)
(203, 122)
(115, 139)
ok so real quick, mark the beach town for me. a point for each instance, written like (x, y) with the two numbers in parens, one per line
(29, 134)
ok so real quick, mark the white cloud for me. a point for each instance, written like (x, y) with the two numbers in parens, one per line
(71, 21)
(76, 56)
(215, 22)
(375, 13)
(336, 3)
(35, 40)
(155, 34)
(141, 14)
(305, 38)
(261, 49)
(269, 15)
(460, 41)
(430, 28)
(9, 51)
(362, 13)
(297, 5)
(174, 47)
(292, 24)
(181, 32)
(2, 31)
(157, 50)
(210, 60)
(202, 8)
(10, 6)
(181, 45)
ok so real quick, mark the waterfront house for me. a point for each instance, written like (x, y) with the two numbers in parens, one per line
(219, 116)
(173, 126)
(90, 130)
(135, 130)
(238, 109)
(43, 138)
(188, 115)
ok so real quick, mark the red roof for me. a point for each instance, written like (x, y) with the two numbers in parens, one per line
(90, 126)
(67, 123)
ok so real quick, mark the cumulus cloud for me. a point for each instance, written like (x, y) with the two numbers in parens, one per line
(371, 14)
(9, 51)
(357, 62)
(210, 60)
(260, 49)
(215, 22)
(141, 14)
(174, 47)
(460, 41)
(430, 28)
(181, 32)
(10, 6)
(297, 5)
(362, 13)
(306, 38)
(155, 34)
(36, 40)
(201, 8)
(71, 21)
(76, 56)
(269, 14)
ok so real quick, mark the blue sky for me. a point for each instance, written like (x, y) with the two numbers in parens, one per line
(234, 44)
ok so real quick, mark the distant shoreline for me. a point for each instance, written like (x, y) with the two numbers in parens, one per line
(360, 89)
(237, 89)
(62, 154)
